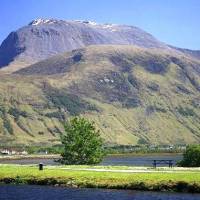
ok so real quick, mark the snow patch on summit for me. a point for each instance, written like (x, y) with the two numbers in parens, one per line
(86, 22)
(111, 27)
(42, 21)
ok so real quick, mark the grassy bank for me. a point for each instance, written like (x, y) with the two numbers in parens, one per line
(187, 181)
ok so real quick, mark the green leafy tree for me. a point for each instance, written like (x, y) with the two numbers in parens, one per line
(82, 143)
(191, 157)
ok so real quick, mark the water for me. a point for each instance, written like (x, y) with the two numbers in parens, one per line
(136, 160)
(144, 160)
(10, 192)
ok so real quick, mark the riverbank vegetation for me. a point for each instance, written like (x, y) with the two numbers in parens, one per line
(182, 181)
(191, 157)
(144, 149)
(118, 149)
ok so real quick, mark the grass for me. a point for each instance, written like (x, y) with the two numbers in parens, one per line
(160, 181)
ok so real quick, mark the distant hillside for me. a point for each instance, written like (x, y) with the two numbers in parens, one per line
(192, 53)
(134, 95)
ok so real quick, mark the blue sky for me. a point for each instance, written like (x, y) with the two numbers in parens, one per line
(176, 22)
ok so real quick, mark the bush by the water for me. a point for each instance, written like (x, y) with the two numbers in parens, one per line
(82, 143)
(191, 157)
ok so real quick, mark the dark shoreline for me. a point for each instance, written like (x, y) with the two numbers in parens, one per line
(173, 187)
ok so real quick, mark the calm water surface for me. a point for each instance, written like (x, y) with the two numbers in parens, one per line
(9, 192)
(144, 160)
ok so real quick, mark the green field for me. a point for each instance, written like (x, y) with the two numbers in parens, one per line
(74, 176)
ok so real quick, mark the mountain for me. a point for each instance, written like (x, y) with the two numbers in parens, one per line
(137, 90)
(43, 38)
(134, 95)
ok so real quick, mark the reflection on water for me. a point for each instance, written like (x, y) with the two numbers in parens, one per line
(145, 160)
(9, 192)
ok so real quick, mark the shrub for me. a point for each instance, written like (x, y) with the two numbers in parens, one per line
(17, 113)
(142, 141)
(58, 115)
(82, 143)
(7, 125)
(70, 102)
(186, 111)
(191, 157)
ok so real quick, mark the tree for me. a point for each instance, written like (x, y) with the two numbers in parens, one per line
(191, 157)
(82, 143)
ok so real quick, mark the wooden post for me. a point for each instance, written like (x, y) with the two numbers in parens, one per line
(170, 163)
(41, 166)
(154, 163)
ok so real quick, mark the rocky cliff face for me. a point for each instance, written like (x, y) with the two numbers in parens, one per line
(44, 38)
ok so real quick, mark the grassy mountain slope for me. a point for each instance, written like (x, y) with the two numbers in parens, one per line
(134, 95)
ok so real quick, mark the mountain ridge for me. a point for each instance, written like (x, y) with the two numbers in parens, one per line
(43, 38)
